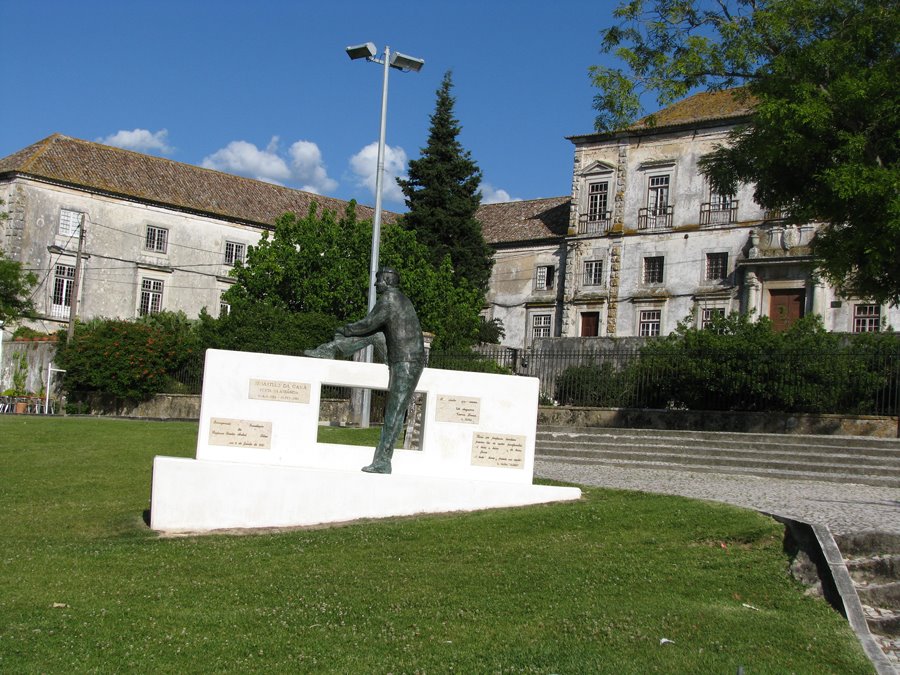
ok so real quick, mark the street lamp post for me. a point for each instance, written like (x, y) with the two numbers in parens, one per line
(406, 64)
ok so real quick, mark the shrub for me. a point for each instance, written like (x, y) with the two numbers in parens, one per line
(127, 359)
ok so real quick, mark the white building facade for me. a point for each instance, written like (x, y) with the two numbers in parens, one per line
(649, 244)
(154, 234)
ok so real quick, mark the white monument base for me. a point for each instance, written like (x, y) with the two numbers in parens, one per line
(192, 495)
(259, 463)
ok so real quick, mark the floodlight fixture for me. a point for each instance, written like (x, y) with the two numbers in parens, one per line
(366, 51)
(408, 64)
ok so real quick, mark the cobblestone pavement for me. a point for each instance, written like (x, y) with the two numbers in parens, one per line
(844, 507)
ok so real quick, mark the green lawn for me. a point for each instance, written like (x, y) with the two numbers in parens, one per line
(585, 587)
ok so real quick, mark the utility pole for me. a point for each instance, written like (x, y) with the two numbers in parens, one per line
(73, 310)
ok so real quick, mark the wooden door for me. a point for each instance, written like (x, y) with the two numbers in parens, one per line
(786, 305)
(590, 324)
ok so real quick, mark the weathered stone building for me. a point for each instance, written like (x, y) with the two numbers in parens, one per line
(158, 234)
(648, 243)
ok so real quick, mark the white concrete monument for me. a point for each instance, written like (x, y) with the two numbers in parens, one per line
(259, 463)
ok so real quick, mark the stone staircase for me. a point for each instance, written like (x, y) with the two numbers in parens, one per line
(873, 561)
(855, 459)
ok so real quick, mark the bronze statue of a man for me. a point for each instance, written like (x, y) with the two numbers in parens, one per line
(393, 324)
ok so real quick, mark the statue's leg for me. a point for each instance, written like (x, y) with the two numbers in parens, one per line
(401, 387)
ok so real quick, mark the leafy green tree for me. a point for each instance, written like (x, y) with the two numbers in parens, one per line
(15, 286)
(442, 194)
(319, 265)
(822, 142)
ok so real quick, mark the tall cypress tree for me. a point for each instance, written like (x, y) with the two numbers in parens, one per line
(442, 196)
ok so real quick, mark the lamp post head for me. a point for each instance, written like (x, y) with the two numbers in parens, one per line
(365, 51)
(406, 63)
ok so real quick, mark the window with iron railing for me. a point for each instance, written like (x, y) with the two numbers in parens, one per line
(596, 220)
(653, 269)
(658, 214)
(716, 266)
(719, 210)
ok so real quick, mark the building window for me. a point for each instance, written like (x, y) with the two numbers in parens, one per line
(234, 252)
(69, 222)
(543, 277)
(540, 325)
(63, 283)
(719, 210)
(716, 266)
(151, 296)
(866, 318)
(224, 307)
(157, 238)
(710, 314)
(593, 273)
(658, 213)
(590, 324)
(653, 269)
(597, 217)
(650, 320)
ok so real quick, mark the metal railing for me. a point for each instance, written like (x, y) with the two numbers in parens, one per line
(655, 218)
(712, 213)
(848, 382)
(594, 223)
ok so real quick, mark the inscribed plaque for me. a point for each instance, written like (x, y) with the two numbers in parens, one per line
(240, 433)
(506, 451)
(279, 390)
(460, 409)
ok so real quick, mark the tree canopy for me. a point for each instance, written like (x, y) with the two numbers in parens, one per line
(822, 142)
(442, 194)
(319, 265)
(15, 286)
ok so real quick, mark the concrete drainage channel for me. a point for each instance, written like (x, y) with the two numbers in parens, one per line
(859, 575)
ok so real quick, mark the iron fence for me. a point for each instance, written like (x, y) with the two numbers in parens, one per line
(848, 382)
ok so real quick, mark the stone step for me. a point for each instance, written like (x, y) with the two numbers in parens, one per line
(881, 621)
(557, 445)
(808, 444)
(662, 455)
(762, 472)
(884, 596)
(876, 569)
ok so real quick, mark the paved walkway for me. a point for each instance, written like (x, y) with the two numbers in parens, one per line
(844, 507)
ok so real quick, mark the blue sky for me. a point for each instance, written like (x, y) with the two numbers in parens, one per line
(265, 89)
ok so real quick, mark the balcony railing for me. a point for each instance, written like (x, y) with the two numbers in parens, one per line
(594, 223)
(718, 213)
(655, 218)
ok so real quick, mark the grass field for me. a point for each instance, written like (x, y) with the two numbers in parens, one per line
(594, 586)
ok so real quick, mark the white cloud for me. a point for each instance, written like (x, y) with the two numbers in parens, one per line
(141, 140)
(306, 161)
(364, 163)
(492, 195)
(245, 159)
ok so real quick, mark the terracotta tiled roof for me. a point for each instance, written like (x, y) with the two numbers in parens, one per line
(153, 179)
(525, 221)
(702, 107)
(731, 104)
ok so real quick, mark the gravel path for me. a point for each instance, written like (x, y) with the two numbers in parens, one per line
(844, 507)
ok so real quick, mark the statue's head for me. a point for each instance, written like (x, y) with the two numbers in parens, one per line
(387, 277)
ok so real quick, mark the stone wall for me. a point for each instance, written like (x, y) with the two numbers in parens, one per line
(741, 422)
